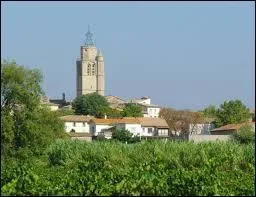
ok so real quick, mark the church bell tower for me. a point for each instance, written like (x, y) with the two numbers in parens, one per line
(90, 68)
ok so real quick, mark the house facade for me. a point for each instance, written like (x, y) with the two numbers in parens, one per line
(99, 124)
(148, 109)
(201, 129)
(231, 128)
(154, 127)
(77, 123)
(81, 126)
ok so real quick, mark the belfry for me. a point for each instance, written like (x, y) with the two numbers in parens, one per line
(90, 68)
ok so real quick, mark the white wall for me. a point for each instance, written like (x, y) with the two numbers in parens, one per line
(162, 132)
(152, 112)
(204, 138)
(145, 131)
(96, 128)
(79, 127)
(54, 107)
(135, 129)
(203, 129)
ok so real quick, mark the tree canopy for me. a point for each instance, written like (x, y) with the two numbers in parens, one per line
(179, 120)
(124, 135)
(25, 123)
(132, 110)
(210, 111)
(230, 112)
(91, 104)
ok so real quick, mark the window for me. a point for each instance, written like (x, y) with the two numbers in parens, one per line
(149, 130)
(74, 124)
(93, 70)
(89, 69)
(84, 124)
(163, 132)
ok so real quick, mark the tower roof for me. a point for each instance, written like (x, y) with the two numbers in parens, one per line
(99, 53)
(89, 38)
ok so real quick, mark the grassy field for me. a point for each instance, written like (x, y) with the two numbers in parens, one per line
(148, 168)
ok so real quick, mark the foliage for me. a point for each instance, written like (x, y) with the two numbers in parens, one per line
(25, 123)
(147, 168)
(64, 112)
(132, 110)
(122, 135)
(91, 104)
(245, 134)
(114, 113)
(210, 111)
(231, 112)
(179, 120)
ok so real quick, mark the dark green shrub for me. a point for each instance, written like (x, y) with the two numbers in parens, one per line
(245, 134)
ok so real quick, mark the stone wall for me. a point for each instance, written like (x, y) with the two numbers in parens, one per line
(203, 138)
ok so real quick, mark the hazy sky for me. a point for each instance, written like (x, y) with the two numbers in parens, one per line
(184, 55)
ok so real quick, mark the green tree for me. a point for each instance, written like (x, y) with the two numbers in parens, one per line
(114, 113)
(91, 104)
(231, 112)
(64, 112)
(122, 135)
(245, 134)
(25, 123)
(210, 111)
(132, 110)
(20, 87)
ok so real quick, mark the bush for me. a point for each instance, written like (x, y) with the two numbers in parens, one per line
(147, 168)
(245, 134)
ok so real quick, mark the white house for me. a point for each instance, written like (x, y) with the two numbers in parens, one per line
(154, 127)
(77, 123)
(143, 100)
(201, 129)
(99, 124)
(148, 109)
(144, 126)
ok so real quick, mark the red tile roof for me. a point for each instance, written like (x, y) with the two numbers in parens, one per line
(232, 126)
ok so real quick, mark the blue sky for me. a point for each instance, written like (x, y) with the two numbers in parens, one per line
(185, 55)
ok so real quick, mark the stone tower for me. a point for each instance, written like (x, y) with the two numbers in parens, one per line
(90, 69)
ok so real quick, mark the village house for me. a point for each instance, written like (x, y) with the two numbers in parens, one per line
(77, 126)
(77, 123)
(230, 128)
(85, 126)
(56, 104)
(143, 126)
(202, 128)
(154, 127)
(115, 102)
(148, 109)
(99, 124)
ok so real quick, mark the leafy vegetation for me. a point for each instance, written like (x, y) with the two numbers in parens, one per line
(25, 123)
(114, 113)
(210, 111)
(231, 112)
(91, 104)
(124, 135)
(245, 134)
(132, 110)
(147, 168)
(64, 112)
